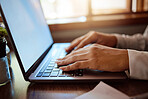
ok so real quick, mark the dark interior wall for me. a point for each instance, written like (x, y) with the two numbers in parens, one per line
(69, 35)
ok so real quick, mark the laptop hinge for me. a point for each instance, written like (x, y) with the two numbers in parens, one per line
(36, 64)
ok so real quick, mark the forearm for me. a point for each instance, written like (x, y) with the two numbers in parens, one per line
(136, 41)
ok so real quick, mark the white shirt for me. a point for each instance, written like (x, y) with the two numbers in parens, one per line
(138, 58)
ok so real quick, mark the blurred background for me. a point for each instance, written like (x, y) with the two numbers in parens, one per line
(69, 19)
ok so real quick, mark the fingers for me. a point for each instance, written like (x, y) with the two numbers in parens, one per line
(72, 59)
(76, 65)
(80, 51)
(74, 43)
(91, 38)
(83, 43)
(80, 42)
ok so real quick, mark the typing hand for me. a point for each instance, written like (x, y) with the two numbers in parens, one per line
(96, 57)
(92, 37)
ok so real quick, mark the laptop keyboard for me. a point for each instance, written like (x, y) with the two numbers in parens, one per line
(52, 70)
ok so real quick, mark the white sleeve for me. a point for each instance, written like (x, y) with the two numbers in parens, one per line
(138, 64)
(137, 41)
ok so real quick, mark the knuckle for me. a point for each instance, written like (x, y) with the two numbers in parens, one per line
(93, 52)
(93, 33)
(82, 43)
(95, 45)
(93, 48)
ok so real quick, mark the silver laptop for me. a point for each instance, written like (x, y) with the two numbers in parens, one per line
(35, 49)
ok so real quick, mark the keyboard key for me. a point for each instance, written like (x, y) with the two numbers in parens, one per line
(51, 63)
(80, 70)
(46, 74)
(56, 69)
(79, 74)
(42, 70)
(62, 56)
(53, 60)
(48, 70)
(61, 74)
(54, 74)
(39, 74)
(70, 75)
(56, 65)
(49, 67)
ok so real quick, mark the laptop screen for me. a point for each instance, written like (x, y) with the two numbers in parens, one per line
(28, 28)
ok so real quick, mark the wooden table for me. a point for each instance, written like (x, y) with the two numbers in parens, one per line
(18, 88)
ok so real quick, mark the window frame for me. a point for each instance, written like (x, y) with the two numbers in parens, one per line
(106, 20)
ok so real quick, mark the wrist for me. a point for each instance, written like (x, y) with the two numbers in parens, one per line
(124, 60)
(107, 39)
(113, 40)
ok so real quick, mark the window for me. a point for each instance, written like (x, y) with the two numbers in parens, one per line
(61, 14)
(69, 11)
(109, 6)
(55, 9)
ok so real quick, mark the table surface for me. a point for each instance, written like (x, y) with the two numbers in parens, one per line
(18, 88)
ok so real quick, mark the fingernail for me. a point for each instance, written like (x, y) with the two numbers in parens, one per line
(66, 48)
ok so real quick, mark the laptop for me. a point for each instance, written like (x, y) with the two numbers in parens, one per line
(35, 49)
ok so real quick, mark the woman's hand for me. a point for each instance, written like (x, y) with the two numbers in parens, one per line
(97, 57)
(93, 37)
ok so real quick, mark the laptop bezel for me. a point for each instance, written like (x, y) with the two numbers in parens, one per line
(35, 65)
